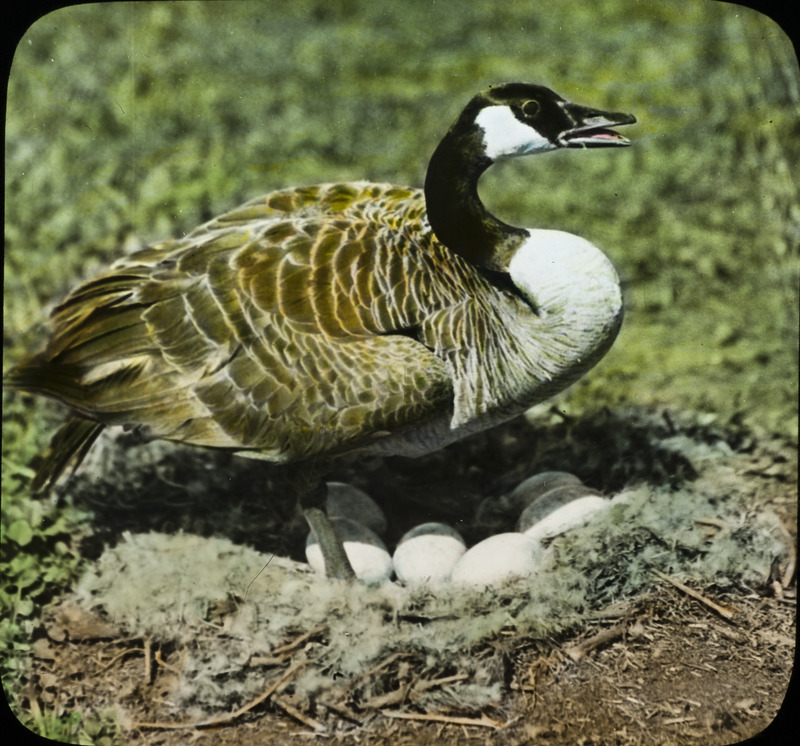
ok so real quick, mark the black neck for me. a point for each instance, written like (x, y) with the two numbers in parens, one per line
(456, 213)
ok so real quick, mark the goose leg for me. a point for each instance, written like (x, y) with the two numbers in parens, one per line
(312, 501)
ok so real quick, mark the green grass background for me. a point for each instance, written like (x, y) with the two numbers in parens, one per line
(132, 122)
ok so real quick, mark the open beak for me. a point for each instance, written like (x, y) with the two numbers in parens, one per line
(591, 128)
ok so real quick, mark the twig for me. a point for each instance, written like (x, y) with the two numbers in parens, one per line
(424, 684)
(342, 709)
(292, 711)
(382, 664)
(230, 717)
(394, 697)
(259, 662)
(161, 662)
(577, 651)
(148, 663)
(483, 721)
(319, 629)
(411, 691)
(127, 651)
(715, 522)
(620, 609)
(726, 614)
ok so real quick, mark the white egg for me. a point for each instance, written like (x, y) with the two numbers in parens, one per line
(350, 502)
(498, 558)
(427, 554)
(368, 555)
(568, 516)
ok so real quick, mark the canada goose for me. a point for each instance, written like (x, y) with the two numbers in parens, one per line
(324, 319)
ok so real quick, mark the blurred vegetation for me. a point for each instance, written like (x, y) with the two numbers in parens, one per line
(132, 122)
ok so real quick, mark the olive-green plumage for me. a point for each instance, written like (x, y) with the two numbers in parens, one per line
(307, 322)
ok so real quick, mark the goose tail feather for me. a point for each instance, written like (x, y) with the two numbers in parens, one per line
(69, 446)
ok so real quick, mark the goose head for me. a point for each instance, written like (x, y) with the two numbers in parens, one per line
(522, 119)
(501, 122)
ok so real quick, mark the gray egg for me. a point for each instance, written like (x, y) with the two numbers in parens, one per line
(427, 554)
(534, 487)
(546, 503)
(571, 515)
(368, 555)
(500, 514)
(347, 501)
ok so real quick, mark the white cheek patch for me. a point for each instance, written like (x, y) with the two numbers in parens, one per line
(504, 136)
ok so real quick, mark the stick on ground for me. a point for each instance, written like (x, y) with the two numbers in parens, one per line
(230, 717)
(726, 614)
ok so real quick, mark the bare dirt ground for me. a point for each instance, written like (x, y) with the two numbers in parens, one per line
(664, 670)
(681, 665)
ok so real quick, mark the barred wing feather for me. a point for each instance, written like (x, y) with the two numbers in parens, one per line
(287, 327)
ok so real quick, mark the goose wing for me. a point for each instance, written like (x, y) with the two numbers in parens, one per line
(286, 328)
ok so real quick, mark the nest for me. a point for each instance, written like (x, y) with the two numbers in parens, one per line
(240, 624)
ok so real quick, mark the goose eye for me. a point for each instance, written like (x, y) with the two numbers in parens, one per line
(531, 108)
